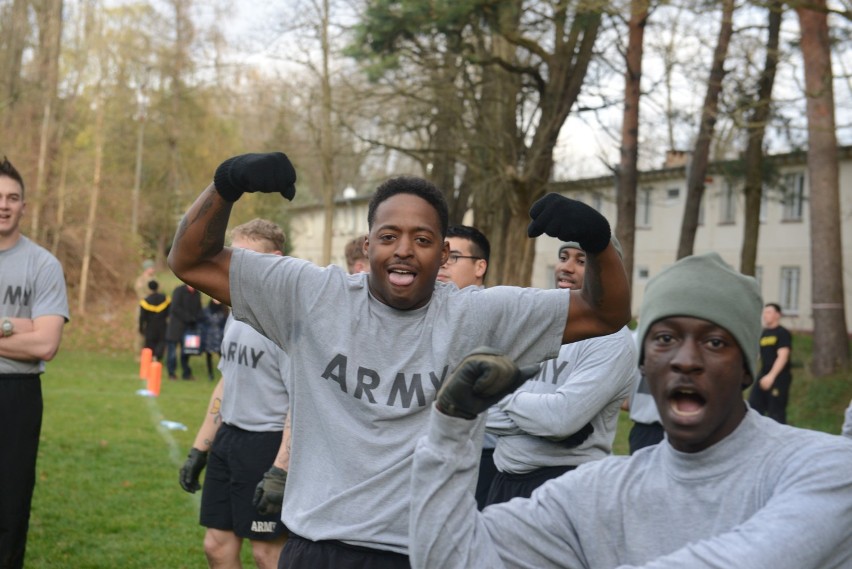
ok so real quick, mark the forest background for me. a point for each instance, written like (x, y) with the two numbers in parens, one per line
(117, 113)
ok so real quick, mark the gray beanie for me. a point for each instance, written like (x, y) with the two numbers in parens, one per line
(704, 286)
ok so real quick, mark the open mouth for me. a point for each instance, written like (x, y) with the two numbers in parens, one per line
(686, 402)
(400, 277)
(564, 282)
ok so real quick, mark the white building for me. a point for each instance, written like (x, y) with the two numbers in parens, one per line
(783, 258)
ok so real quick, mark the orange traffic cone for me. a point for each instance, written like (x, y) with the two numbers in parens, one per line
(145, 362)
(155, 375)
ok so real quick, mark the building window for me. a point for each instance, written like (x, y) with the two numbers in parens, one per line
(728, 204)
(642, 273)
(793, 197)
(789, 293)
(672, 194)
(643, 208)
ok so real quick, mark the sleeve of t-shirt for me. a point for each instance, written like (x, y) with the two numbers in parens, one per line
(271, 292)
(445, 528)
(50, 297)
(604, 367)
(525, 323)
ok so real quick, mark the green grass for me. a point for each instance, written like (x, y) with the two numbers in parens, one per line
(107, 493)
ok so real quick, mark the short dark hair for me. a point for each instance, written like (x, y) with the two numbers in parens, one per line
(774, 305)
(411, 185)
(153, 285)
(481, 246)
(6, 169)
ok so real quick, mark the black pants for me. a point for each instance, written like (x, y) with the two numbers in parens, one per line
(301, 553)
(507, 486)
(487, 472)
(644, 435)
(20, 426)
(772, 403)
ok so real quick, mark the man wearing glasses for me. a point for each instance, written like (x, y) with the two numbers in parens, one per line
(468, 260)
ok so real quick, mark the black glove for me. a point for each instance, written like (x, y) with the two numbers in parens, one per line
(269, 493)
(569, 220)
(576, 439)
(196, 460)
(483, 377)
(267, 173)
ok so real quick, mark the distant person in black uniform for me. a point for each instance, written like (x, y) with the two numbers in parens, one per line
(769, 395)
(153, 319)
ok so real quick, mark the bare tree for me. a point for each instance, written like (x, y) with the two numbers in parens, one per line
(50, 24)
(628, 171)
(756, 129)
(831, 340)
(701, 153)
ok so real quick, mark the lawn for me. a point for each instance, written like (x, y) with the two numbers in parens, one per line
(107, 493)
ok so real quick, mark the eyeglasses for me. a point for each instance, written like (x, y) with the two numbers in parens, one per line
(453, 258)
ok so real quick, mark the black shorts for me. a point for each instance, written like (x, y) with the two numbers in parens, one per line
(506, 486)
(301, 553)
(237, 462)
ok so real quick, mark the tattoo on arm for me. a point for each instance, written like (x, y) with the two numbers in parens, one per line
(213, 238)
(593, 283)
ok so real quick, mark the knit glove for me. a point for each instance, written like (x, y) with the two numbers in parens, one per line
(569, 220)
(196, 460)
(269, 493)
(267, 173)
(482, 378)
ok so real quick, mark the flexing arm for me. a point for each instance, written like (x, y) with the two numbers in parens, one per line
(34, 339)
(199, 256)
(602, 306)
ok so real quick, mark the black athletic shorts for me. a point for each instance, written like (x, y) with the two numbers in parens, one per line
(301, 553)
(237, 462)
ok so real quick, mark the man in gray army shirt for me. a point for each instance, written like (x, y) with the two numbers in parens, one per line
(33, 312)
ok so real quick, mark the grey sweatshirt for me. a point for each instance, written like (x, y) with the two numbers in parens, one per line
(768, 496)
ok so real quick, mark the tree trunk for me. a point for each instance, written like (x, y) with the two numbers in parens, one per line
(830, 339)
(326, 142)
(50, 19)
(93, 204)
(701, 153)
(758, 118)
(15, 30)
(628, 173)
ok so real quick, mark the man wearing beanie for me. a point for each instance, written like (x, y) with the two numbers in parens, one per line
(567, 414)
(726, 488)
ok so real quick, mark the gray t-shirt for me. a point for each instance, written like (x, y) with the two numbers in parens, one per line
(363, 377)
(31, 285)
(768, 496)
(586, 383)
(255, 396)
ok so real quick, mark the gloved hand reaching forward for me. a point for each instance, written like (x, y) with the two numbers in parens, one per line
(569, 220)
(269, 493)
(480, 381)
(267, 173)
(196, 460)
